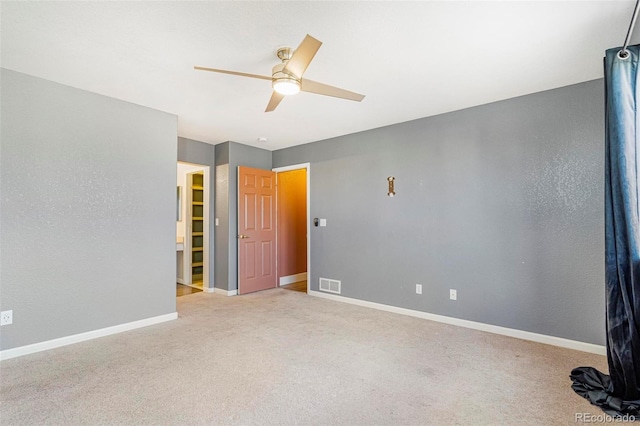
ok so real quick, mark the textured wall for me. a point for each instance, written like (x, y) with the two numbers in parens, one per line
(503, 202)
(221, 269)
(87, 211)
(196, 152)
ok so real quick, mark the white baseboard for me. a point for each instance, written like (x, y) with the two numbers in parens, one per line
(180, 281)
(290, 279)
(511, 332)
(208, 289)
(198, 286)
(225, 292)
(82, 337)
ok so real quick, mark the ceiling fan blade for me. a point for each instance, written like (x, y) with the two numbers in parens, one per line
(274, 101)
(302, 56)
(241, 74)
(324, 89)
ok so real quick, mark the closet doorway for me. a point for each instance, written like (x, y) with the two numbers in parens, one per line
(192, 229)
(293, 221)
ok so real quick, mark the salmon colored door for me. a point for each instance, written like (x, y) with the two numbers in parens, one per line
(256, 230)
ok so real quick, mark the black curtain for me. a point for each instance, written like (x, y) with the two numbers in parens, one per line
(619, 393)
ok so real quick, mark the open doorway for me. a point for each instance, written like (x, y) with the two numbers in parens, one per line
(192, 229)
(292, 213)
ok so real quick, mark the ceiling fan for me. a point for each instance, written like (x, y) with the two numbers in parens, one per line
(286, 77)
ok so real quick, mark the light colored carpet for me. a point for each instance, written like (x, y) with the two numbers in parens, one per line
(283, 357)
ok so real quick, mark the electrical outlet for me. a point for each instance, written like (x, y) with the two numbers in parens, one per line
(418, 288)
(453, 294)
(6, 317)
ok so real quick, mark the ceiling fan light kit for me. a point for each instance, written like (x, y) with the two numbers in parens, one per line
(286, 78)
(284, 83)
(286, 86)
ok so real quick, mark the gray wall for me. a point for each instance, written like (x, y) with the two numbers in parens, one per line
(191, 151)
(235, 155)
(87, 208)
(222, 214)
(503, 202)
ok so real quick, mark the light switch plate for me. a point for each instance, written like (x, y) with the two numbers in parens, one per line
(323, 222)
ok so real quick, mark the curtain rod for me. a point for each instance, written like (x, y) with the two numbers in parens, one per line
(624, 53)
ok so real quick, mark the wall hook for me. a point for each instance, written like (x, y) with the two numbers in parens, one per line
(391, 192)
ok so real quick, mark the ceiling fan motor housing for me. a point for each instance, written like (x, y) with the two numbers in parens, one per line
(283, 82)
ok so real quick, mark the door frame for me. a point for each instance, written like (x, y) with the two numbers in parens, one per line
(300, 166)
(186, 215)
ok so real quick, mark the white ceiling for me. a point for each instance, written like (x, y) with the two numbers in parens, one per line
(411, 59)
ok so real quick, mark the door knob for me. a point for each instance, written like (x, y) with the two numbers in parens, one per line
(243, 236)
